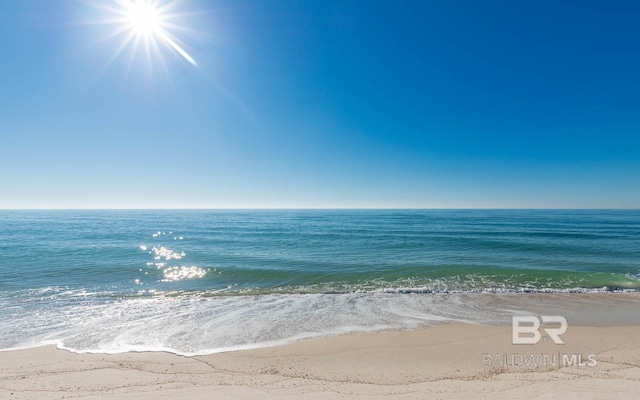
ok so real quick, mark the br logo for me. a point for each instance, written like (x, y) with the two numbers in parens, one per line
(526, 330)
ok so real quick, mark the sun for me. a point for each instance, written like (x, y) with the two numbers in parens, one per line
(146, 28)
(144, 18)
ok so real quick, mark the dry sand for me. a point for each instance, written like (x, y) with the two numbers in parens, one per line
(440, 362)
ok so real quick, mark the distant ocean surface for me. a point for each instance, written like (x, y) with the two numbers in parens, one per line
(197, 282)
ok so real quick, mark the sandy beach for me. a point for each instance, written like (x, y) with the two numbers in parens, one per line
(449, 361)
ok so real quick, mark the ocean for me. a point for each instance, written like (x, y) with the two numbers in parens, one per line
(204, 281)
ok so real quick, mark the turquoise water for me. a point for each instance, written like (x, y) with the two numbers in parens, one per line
(194, 282)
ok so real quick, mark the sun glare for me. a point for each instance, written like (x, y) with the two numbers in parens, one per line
(147, 28)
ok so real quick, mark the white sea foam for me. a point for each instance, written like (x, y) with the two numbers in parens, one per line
(192, 325)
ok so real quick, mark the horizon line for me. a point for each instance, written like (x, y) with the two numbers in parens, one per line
(309, 208)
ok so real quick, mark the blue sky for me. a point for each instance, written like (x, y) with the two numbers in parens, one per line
(330, 104)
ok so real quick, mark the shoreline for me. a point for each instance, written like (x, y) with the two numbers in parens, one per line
(445, 361)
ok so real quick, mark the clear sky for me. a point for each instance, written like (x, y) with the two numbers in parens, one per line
(327, 103)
